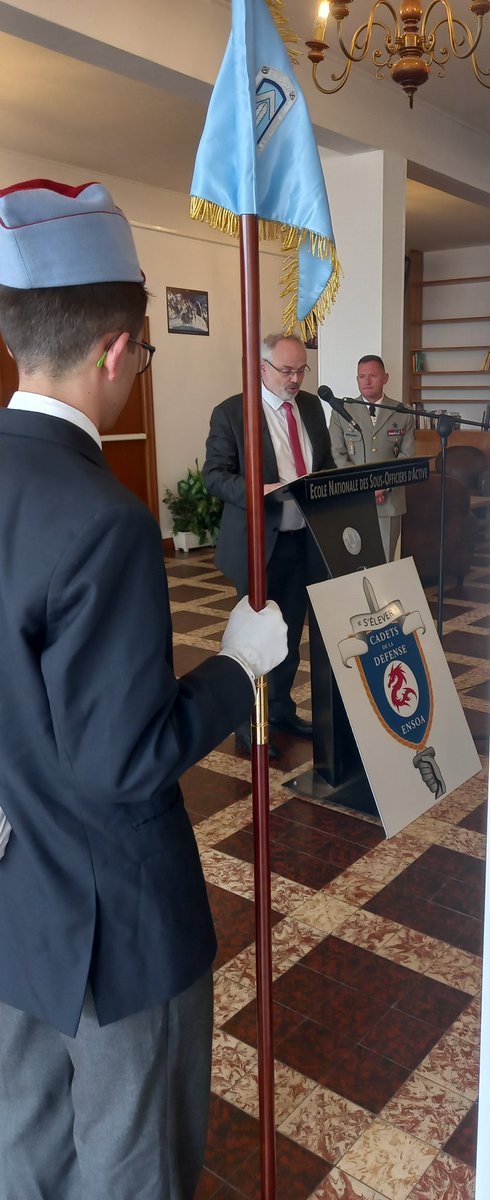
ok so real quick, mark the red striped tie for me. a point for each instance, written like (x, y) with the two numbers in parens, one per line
(294, 442)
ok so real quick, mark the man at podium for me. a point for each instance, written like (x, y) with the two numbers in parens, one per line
(295, 442)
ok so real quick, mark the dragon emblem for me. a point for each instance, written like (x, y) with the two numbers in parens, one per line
(400, 692)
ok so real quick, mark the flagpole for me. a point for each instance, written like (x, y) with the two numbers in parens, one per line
(254, 474)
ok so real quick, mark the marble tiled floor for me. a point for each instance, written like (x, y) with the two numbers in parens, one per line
(376, 950)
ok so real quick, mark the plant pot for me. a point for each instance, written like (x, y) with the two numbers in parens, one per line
(190, 541)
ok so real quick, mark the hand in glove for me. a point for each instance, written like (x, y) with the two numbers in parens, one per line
(257, 640)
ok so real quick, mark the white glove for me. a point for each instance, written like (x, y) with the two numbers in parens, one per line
(257, 640)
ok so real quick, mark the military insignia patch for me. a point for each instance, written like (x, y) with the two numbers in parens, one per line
(275, 95)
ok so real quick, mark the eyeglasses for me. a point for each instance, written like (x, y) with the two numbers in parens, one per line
(288, 372)
(146, 352)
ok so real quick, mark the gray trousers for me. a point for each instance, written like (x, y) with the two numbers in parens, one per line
(115, 1113)
(389, 528)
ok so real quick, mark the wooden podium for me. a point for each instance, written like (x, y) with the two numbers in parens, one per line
(340, 511)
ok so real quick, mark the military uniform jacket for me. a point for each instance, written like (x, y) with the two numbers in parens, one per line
(101, 878)
(224, 473)
(391, 437)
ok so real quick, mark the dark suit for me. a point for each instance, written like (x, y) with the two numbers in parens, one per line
(285, 554)
(101, 879)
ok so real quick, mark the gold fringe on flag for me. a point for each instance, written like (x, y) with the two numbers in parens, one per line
(291, 238)
(290, 39)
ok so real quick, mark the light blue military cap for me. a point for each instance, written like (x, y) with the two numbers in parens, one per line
(54, 235)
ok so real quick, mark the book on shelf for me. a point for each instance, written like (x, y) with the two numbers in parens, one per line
(486, 362)
(430, 421)
(418, 361)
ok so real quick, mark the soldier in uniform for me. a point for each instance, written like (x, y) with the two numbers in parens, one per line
(382, 436)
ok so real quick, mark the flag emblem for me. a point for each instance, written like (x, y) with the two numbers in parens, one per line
(275, 95)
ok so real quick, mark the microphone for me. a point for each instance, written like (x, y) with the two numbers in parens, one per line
(325, 393)
(372, 410)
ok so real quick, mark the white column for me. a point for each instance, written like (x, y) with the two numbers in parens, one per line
(367, 202)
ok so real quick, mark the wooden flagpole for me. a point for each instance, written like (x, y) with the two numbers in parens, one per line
(252, 404)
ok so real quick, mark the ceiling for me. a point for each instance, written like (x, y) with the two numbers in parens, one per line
(61, 108)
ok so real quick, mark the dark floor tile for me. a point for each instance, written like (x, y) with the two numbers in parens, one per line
(224, 605)
(284, 860)
(233, 1137)
(402, 1038)
(234, 919)
(431, 1001)
(303, 868)
(243, 1025)
(314, 841)
(482, 690)
(365, 1078)
(472, 593)
(239, 845)
(327, 820)
(428, 917)
(208, 1185)
(189, 592)
(479, 727)
(462, 1143)
(463, 896)
(476, 820)
(416, 880)
(460, 642)
(330, 1003)
(177, 569)
(187, 622)
(338, 960)
(298, 1172)
(457, 669)
(449, 863)
(341, 853)
(300, 837)
(207, 792)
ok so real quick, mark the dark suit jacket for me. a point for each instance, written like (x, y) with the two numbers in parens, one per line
(101, 876)
(224, 474)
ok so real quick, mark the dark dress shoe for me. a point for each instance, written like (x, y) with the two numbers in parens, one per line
(244, 742)
(295, 725)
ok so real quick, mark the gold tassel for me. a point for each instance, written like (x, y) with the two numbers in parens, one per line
(290, 39)
(291, 238)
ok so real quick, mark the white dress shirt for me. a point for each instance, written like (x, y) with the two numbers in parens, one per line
(275, 416)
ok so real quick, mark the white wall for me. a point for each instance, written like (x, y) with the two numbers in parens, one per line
(190, 374)
(367, 200)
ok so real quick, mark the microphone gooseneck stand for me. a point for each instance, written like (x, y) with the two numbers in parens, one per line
(444, 427)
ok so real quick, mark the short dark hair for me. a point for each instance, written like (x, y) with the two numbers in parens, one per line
(55, 328)
(372, 358)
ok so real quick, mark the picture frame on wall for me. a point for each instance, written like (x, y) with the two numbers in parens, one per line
(311, 342)
(187, 311)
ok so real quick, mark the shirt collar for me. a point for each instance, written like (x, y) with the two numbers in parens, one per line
(272, 400)
(34, 402)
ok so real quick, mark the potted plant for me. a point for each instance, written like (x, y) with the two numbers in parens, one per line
(195, 513)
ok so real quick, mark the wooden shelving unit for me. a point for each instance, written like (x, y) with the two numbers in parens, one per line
(438, 357)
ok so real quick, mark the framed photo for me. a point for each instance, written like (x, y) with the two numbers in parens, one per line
(311, 342)
(187, 311)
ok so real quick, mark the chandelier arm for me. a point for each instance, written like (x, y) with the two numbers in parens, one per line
(452, 23)
(367, 27)
(340, 78)
(479, 72)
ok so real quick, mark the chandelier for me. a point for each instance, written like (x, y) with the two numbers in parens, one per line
(410, 46)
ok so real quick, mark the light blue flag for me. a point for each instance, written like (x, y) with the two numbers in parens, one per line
(258, 155)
